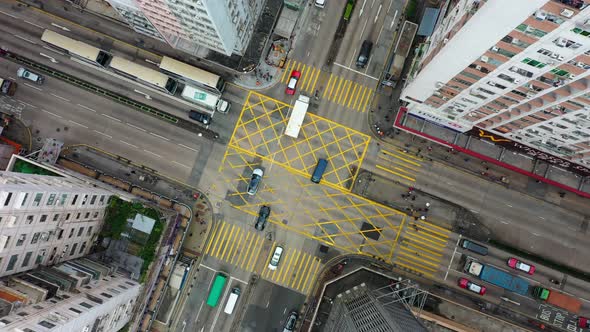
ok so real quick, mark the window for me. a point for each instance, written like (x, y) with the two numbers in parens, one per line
(107, 295)
(22, 314)
(502, 51)
(86, 305)
(24, 200)
(560, 72)
(86, 215)
(75, 310)
(62, 199)
(89, 231)
(101, 200)
(73, 251)
(40, 256)
(579, 31)
(80, 231)
(84, 199)
(27, 259)
(534, 63)
(95, 215)
(37, 199)
(43, 218)
(35, 237)
(12, 262)
(60, 234)
(7, 200)
(29, 220)
(51, 199)
(93, 200)
(75, 199)
(82, 247)
(123, 287)
(5, 321)
(55, 217)
(21, 239)
(46, 324)
(38, 307)
(78, 216)
(71, 233)
(7, 243)
(68, 216)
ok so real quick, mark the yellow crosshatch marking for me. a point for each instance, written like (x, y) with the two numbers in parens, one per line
(421, 247)
(332, 88)
(402, 165)
(259, 131)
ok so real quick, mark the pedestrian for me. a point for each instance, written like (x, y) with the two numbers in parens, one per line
(466, 160)
(429, 148)
(413, 198)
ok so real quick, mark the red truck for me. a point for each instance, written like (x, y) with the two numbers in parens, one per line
(557, 299)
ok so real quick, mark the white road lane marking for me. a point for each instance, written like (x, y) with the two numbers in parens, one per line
(100, 132)
(22, 102)
(86, 107)
(158, 136)
(504, 222)
(186, 147)
(183, 165)
(508, 205)
(32, 86)
(474, 211)
(57, 116)
(131, 145)
(59, 97)
(136, 127)
(78, 124)
(150, 152)
(35, 25)
(5, 13)
(25, 39)
(110, 117)
(452, 257)
(356, 71)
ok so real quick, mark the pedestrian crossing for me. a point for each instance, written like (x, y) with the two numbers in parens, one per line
(297, 270)
(400, 165)
(333, 88)
(247, 249)
(421, 247)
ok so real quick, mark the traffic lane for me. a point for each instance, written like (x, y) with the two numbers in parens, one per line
(109, 132)
(195, 312)
(269, 307)
(35, 22)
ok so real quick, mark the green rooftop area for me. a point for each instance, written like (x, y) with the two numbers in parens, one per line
(22, 166)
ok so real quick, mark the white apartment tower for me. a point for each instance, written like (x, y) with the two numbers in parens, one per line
(518, 69)
(224, 26)
(46, 219)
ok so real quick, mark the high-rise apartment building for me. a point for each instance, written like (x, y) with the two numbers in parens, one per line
(224, 26)
(518, 69)
(46, 217)
(79, 295)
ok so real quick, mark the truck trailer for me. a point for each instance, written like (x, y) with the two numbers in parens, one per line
(497, 277)
(557, 299)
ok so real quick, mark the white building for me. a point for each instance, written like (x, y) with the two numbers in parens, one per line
(224, 26)
(518, 69)
(46, 219)
(104, 302)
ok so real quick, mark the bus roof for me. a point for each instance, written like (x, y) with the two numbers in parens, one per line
(297, 116)
(194, 74)
(71, 45)
(143, 73)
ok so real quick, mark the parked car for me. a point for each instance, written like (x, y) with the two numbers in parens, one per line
(276, 258)
(255, 181)
(201, 117)
(520, 265)
(263, 214)
(470, 286)
(584, 322)
(291, 321)
(292, 85)
(29, 75)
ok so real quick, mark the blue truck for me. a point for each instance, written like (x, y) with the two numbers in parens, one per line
(497, 277)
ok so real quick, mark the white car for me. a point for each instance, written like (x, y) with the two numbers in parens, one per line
(255, 181)
(276, 258)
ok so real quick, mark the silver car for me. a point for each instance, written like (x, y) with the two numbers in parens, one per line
(29, 75)
(255, 181)
(276, 258)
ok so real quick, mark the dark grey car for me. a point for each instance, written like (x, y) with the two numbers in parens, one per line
(262, 217)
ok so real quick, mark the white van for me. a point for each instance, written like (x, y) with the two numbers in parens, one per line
(231, 302)
(320, 3)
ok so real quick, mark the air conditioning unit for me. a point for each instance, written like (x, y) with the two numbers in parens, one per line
(540, 15)
(495, 48)
(580, 65)
(571, 76)
(561, 42)
(567, 13)
(515, 41)
(484, 58)
(554, 55)
(561, 58)
(446, 40)
(478, 67)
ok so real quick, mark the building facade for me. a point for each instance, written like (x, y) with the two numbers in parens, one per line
(79, 295)
(224, 26)
(517, 69)
(47, 218)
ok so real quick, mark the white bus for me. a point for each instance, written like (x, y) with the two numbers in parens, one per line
(143, 74)
(297, 116)
(211, 101)
(76, 48)
(194, 75)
